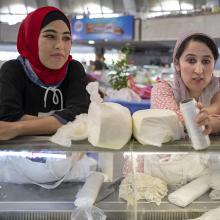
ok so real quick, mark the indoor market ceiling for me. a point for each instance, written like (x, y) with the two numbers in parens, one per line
(12, 11)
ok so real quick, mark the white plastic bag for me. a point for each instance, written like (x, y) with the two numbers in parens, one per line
(176, 170)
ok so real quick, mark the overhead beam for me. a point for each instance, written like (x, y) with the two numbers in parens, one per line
(54, 3)
(41, 3)
(130, 7)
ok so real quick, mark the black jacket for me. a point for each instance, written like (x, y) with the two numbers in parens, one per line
(19, 95)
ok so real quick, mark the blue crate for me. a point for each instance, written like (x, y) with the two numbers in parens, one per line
(132, 106)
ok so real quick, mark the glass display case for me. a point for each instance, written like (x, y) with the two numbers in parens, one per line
(27, 191)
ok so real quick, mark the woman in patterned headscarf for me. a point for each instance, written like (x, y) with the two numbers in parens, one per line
(44, 87)
(194, 59)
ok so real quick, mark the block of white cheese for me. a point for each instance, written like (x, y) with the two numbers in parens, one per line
(190, 192)
(156, 126)
(109, 125)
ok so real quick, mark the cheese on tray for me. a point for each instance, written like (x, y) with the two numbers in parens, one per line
(190, 192)
(156, 126)
(142, 186)
(109, 126)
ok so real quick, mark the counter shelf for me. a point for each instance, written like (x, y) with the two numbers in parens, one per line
(28, 201)
(32, 143)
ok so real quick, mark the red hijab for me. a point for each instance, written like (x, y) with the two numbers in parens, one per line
(27, 45)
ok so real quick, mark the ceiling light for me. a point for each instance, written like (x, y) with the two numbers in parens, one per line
(91, 42)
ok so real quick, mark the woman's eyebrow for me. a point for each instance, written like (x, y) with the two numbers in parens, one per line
(191, 54)
(52, 30)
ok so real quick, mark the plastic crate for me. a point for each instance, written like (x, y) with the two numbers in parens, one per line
(132, 106)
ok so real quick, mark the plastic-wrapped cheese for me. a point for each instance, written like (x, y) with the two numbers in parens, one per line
(156, 126)
(110, 125)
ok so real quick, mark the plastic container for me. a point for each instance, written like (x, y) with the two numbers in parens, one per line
(132, 106)
(189, 111)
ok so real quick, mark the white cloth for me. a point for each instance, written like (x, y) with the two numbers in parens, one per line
(189, 192)
(213, 214)
(156, 126)
(75, 130)
(176, 169)
(88, 193)
(141, 186)
(110, 125)
(21, 170)
(125, 94)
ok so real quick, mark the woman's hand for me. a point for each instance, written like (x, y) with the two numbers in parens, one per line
(8, 130)
(29, 125)
(203, 119)
(28, 117)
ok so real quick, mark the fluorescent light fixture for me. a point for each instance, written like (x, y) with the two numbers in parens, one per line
(30, 9)
(186, 6)
(31, 154)
(4, 10)
(11, 19)
(79, 16)
(17, 13)
(99, 15)
(92, 8)
(18, 8)
(106, 10)
(170, 5)
(91, 42)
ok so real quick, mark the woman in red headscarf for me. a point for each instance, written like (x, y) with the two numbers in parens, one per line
(44, 87)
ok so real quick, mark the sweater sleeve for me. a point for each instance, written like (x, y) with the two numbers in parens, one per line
(11, 87)
(162, 98)
(76, 98)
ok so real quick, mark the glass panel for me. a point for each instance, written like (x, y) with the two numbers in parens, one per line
(43, 178)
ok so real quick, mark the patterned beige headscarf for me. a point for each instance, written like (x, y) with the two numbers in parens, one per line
(179, 89)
